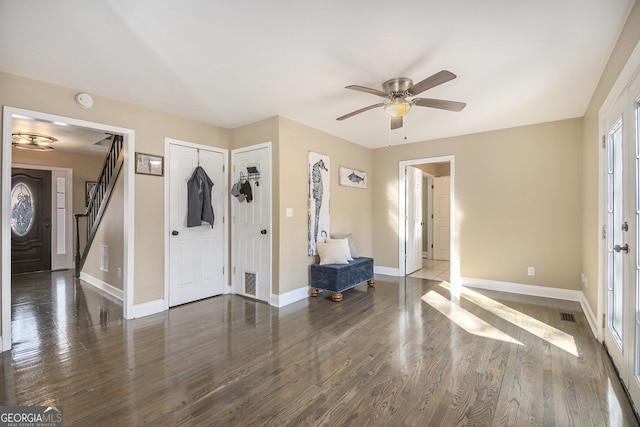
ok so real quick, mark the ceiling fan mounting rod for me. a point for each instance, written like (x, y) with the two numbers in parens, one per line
(398, 86)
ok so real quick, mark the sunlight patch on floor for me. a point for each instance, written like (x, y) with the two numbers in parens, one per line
(467, 321)
(556, 337)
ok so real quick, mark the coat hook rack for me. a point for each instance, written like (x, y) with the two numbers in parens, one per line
(253, 174)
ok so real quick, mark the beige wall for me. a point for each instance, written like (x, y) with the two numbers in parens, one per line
(111, 234)
(151, 127)
(436, 169)
(350, 208)
(627, 41)
(518, 198)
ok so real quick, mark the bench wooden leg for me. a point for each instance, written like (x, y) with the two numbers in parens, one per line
(313, 292)
(336, 297)
(371, 282)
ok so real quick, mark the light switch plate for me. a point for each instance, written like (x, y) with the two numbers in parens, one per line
(289, 212)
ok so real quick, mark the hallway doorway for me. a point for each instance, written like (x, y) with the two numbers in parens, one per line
(436, 167)
(38, 118)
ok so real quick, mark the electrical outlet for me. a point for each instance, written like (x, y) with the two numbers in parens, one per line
(119, 273)
(289, 212)
(531, 271)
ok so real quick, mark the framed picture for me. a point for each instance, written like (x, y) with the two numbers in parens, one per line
(352, 177)
(149, 164)
(89, 188)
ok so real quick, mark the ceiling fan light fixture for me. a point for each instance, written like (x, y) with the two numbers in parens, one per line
(397, 108)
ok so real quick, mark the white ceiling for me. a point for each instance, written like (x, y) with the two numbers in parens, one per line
(70, 139)
(231, 63)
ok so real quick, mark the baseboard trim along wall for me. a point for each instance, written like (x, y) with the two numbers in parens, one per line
(289, 297)
(388, 271)
(536, 291)
(148, 308)
(103, 286)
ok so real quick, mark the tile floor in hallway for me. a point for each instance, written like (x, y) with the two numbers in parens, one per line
(433, 269)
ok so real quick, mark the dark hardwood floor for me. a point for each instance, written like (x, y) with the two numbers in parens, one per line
(411, 352)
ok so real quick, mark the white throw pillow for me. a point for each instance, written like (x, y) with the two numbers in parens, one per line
(345, 247)
(331, 253)
(352, 245)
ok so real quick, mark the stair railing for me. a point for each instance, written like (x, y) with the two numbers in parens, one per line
(99, 199)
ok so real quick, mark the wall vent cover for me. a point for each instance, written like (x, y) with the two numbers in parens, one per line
(568, 317)
(249, 283)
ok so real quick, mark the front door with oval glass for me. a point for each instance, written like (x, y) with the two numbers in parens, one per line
(30, 220)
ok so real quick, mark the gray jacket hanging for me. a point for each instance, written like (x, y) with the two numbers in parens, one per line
(199, 206)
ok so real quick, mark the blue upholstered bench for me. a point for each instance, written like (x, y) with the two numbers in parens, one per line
(340, 277)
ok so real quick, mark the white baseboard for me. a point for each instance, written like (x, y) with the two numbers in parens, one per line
(289, 297)
(148, 308)
(537, 291)
(388, 271)
(103, 286)
(519, 288)
(590, 315)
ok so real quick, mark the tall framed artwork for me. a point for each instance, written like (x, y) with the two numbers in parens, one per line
(319, 192)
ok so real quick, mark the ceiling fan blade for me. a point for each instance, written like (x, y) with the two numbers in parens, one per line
(362, 110)
(368, 90)
(433, 81)
(439, 103)
(396, 122)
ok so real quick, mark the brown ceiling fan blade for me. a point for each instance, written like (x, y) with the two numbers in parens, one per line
(433, 81)
(396, 122)
(368, 90)
(439, 103)
(362, 110)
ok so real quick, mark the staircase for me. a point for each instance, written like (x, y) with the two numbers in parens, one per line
(99, 199)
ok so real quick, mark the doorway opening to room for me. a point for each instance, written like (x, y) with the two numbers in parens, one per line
(426, 242)
(60, 178)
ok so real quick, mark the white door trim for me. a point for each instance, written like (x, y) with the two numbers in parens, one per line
(429, 214)
(273, 299)
(455, 259)
(127, 171)
(167, 225)
(628, 74)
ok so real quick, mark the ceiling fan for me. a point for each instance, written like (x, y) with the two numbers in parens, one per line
(399, 89)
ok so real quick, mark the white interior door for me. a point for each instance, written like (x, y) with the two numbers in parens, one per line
(621, 333)
(413, 251)
(442, 218)
(196, 254)
(251, 224)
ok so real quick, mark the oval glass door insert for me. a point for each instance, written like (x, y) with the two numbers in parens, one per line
(21, 209)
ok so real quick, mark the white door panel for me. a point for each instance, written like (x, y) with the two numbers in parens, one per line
(251, 226)
(622, 330)
(196, 261)
(442, 218)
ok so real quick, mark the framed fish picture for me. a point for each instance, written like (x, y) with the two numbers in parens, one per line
(352, 178)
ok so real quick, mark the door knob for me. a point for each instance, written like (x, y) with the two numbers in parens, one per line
(174, 233)
(624, 248)
(263, 231)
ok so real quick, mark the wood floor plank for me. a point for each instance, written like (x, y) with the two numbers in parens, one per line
(382, 356)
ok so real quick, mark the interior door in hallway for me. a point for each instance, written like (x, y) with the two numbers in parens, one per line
(413, 249)
(251, 223)
(30, 220)
(442, 218)
(196, 254)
